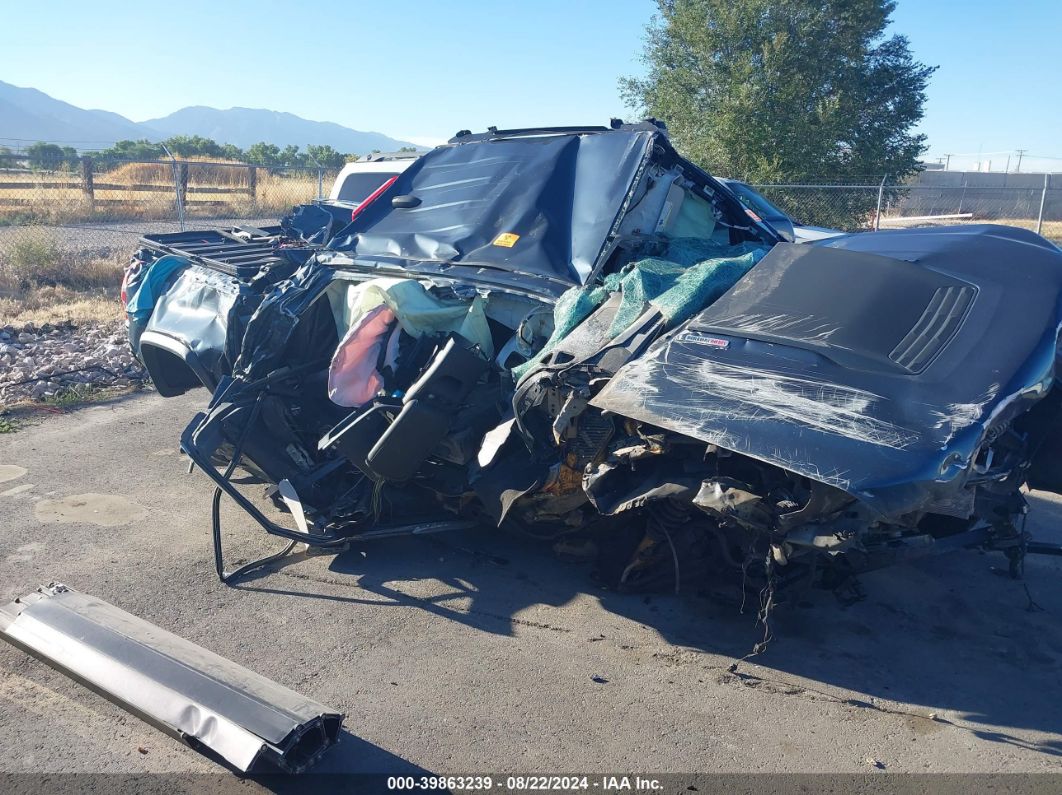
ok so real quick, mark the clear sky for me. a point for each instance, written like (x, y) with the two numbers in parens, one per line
(428, 69)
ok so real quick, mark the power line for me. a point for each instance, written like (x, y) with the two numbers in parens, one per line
(55, 141)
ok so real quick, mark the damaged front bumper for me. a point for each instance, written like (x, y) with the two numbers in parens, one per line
(214, 705)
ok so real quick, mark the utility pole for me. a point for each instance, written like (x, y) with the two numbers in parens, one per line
(947, 162)
(1017, 168)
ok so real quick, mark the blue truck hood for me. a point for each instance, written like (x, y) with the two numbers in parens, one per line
(535, 205)
(872, 362)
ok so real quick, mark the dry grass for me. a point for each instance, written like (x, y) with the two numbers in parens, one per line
(52, 305)
(147, 193)
(201, 171)
(40, 283)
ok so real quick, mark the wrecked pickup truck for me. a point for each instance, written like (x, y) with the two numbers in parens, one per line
(577, 332)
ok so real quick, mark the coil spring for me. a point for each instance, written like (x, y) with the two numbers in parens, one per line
(670, 514)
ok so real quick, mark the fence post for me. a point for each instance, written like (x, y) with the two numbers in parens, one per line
(86, 180)
(177, 184)
(180, 187)
(1043, 199)
(320, 183)
(252, 183)
(881, 196)
(182, 182)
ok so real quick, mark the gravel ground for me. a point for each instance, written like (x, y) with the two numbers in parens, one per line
(35, 363)
(481, 653)
(40, 362)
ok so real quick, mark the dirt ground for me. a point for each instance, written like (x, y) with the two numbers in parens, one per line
(478, 653)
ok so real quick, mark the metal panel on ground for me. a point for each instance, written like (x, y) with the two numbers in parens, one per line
(213, 704)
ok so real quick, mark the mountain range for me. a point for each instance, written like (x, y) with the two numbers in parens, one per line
(32, 115)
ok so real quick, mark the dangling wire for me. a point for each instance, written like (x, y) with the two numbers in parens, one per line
(376, 504)
(215, 510)
(767, 603)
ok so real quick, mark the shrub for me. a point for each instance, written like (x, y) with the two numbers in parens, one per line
(37, 261)
(33, 259)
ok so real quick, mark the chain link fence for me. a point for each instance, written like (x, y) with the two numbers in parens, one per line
(1031, 201)
(93, 208)
(90, 207)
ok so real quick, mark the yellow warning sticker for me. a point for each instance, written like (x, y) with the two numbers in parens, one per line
(506, 240)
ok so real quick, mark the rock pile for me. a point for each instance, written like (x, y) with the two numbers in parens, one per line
(39, 362)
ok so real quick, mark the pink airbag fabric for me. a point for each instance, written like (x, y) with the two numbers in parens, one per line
(352, 376)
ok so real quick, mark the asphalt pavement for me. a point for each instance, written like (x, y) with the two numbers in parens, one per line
(477, 652)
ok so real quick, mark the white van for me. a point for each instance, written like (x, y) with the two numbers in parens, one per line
(360, 179)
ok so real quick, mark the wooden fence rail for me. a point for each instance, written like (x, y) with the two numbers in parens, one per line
(90, 183)
(89, 187)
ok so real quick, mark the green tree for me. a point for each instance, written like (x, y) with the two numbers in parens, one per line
(291, 156)
(71, 159)
(189, 145)
(131, 150)
(264, 154)
(232, 152)
(325, 156)
(773, 90)
(45, 157)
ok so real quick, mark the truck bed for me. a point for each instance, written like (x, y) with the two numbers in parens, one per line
(240, 251)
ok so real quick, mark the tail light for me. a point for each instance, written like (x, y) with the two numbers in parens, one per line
(372, 197)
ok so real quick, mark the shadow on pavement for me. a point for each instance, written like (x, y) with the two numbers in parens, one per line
(359, 756)
(949, 633)
(354, 765)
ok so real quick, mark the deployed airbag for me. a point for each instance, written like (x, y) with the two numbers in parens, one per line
(418, 311)
(691, 274)
(353, 379)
